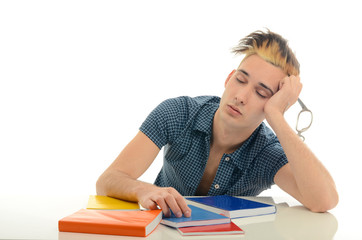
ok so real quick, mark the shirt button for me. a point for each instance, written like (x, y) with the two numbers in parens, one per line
(216, 186)
(227, 159)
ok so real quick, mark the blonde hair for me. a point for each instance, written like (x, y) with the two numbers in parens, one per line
(272, 48)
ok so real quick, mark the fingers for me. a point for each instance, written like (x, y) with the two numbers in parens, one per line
(174, 201)
(149, 204)
(168, 199)
(294, 84)
(291, 87)
(181, 203)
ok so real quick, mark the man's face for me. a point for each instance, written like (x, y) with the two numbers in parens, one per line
(246, 92)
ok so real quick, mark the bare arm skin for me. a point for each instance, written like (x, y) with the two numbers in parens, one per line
(304, 177)
(120, 179)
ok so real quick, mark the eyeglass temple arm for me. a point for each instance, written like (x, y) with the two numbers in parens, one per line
(302, 104)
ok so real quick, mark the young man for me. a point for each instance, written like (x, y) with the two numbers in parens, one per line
(216, 146)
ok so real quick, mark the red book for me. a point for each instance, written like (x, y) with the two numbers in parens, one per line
(219, 229)
(125, 223)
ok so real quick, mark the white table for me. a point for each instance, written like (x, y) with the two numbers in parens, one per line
(36, 217)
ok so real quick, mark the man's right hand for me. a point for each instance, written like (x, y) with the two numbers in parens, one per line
(167, 198)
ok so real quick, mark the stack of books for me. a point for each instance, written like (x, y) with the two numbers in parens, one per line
(210, 215)
(202, 222)
(213, 215)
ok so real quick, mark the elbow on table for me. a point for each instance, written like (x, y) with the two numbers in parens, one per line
(326, 204)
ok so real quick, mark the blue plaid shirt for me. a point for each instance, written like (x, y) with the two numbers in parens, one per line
(183, 126)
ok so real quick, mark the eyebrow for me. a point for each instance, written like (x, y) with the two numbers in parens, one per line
(260, 83)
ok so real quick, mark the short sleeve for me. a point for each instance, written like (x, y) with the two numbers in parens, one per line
(164, 123)
(271, 159)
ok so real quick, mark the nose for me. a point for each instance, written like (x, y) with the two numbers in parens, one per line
(243, 95)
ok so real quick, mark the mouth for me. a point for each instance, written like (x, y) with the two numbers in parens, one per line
(233, 109)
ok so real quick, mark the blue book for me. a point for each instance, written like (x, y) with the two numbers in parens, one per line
(232, 207)
(199, 217)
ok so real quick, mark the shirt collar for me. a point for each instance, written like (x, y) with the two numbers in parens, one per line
(205, 118)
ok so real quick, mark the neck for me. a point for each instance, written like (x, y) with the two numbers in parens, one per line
(228, 138)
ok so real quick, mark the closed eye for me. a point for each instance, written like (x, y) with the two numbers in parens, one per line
(260, 95)
(263, 93)
(239, 80)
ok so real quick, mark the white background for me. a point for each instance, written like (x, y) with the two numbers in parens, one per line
(77, 79)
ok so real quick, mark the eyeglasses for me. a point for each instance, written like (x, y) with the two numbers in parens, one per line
(305, 116)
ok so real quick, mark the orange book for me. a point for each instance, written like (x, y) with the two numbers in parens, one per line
(125, 223)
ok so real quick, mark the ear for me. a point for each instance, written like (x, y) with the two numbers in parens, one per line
(230, 75)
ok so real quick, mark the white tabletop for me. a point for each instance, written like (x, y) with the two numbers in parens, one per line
(36, 217)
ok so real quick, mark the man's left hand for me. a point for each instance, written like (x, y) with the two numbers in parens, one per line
(287, 94)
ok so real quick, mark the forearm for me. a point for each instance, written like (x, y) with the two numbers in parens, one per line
(315, 185)
(117, 184)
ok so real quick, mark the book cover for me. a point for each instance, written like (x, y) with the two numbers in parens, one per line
(104, 202)
(219, 229)
(125, 223)
(233, 207)
(198, 217)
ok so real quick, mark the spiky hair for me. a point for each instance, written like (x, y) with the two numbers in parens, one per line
(272, 48)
